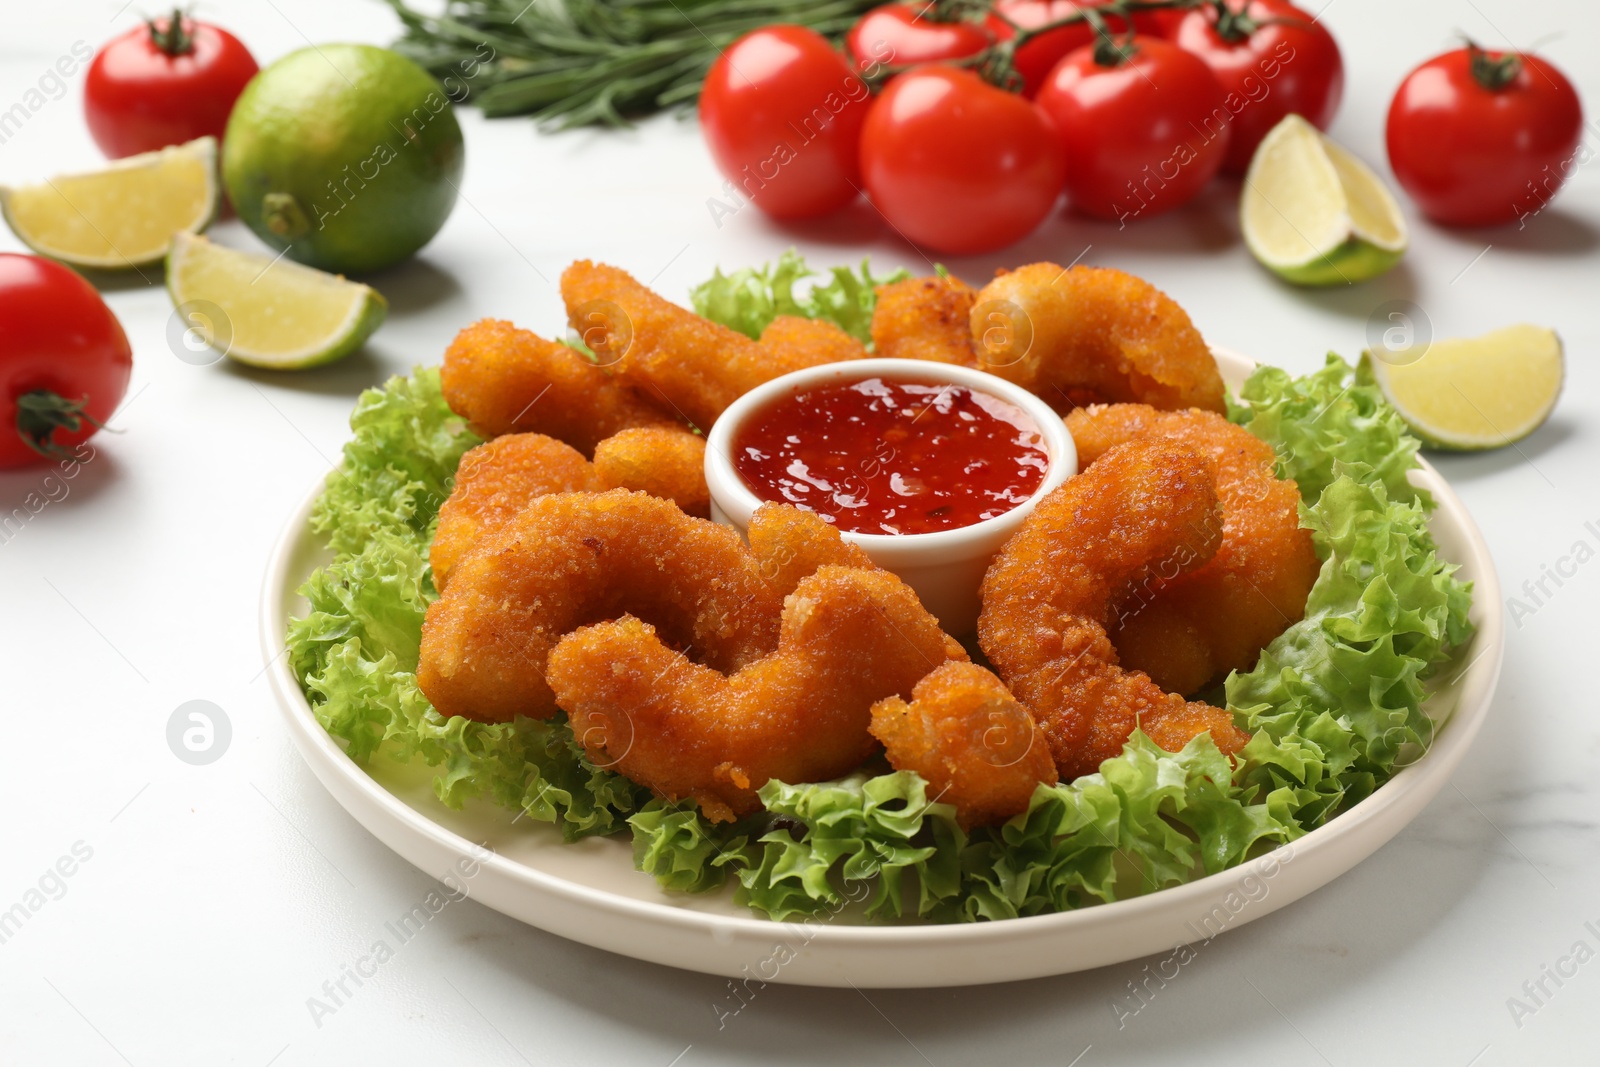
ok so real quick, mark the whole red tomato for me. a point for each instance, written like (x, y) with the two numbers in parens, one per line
(1272, 60)
(782, 114)
(1035, 58)
(64, 360)
(957, 165)
(1479, 138)
(166, 82)
(905, 33)
(1139, 127)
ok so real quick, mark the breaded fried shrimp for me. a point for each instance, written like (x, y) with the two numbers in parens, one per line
(791, 543)
(925, 318)
(664, 461)
(505, 380)
(978, 747)
(1094, 335)
(494, 482)
(1143, 514)
(569, 559)
(793, 343)
(850, 637)
(1215, 618)
(690, 365)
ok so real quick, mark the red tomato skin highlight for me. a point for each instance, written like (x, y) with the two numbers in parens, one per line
(1288, 65)
(782, 113)
(138, 99)
(56, 334)
(901, 34)
(956, 165)
(1473, 156)
(1139, 138)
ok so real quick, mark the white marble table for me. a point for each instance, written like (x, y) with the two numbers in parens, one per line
(206, 904)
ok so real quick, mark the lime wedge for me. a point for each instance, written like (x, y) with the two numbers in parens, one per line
(268, 312)
(122, 217)
(1314, 214)
(1475, 393)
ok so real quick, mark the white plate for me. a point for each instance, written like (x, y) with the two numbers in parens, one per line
(590, 892)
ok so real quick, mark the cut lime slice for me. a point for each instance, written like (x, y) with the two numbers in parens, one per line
(1475, 393)
(268, 312)
(1314, 214)
(122, 217)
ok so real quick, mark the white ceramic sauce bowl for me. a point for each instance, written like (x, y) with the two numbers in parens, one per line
(944, 568)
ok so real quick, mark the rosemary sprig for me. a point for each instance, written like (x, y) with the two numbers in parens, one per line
(592, 62)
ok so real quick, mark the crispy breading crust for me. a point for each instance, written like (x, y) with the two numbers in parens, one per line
(494, 482)
(791, 544)
(1143, 514)
(976, 745)
(1094, 335)
(850, 637)
(925, 318)
(664, 461)
(569, 559)
(505, 380)
(690, 365)
(1218, 617)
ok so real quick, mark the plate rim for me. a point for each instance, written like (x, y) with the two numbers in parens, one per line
(1419, 781)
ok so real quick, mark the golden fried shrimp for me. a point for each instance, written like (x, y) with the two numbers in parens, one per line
(664, 461)
(978, 748)
(1215, 618)
(1144, 513)
(790, 544)
(692, 366)
(925, 318)
(569, 559)
(793, 343)
(494, 482)
(1093, 335)
(850, 637)
(505, 380)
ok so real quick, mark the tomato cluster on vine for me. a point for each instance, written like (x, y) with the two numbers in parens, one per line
(964, 121)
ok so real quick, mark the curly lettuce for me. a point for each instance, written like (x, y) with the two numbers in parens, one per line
(750, 298)
(1334, 704)
(355, 649)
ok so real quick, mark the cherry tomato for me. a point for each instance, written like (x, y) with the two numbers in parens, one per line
(957, 165)
(1158, 23)
(782, 114)
(1479, 138)
(64, 360)
(1036, 57)
(901, 34)
(156, 86)
(1140, 133)
(1272, 60)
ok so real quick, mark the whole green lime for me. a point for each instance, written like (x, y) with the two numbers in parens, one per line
(345, 156)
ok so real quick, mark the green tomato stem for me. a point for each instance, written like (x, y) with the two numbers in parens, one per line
(175, 40)
(40, 413)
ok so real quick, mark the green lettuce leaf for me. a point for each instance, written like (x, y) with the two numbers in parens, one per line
(870, 833)
(1149, 819)
(355, 649)
(750, 298)
(1344, 686)
(1323, 423)
(398, 468)
(1336, 700)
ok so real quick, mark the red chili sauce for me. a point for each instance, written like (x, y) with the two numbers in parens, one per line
(892, 457)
